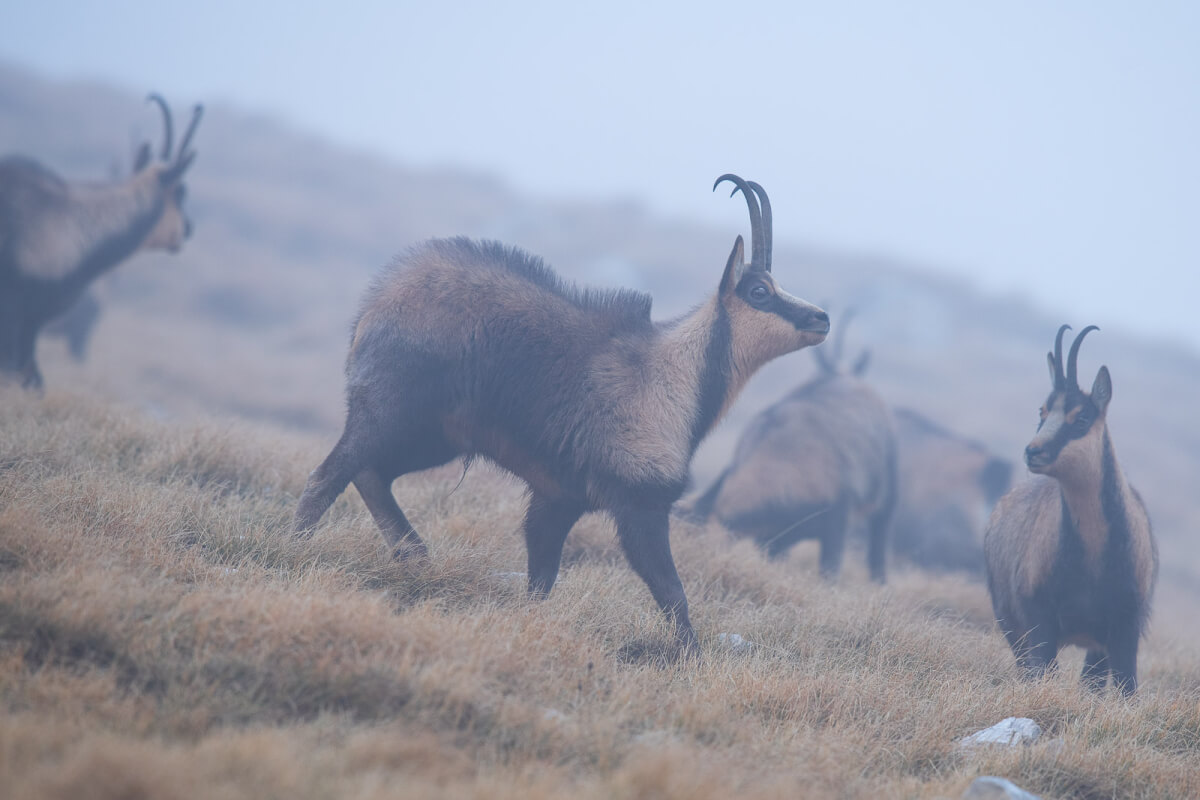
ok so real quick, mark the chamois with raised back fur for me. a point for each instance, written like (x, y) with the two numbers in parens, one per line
(57, 237)
(466, 349)
(815, 465)
(1071, 558)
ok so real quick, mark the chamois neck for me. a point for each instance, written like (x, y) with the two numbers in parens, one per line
(694, 351)
(111, 221)
(1089, 493)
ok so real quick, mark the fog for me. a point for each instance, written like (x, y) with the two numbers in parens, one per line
(1040, 149)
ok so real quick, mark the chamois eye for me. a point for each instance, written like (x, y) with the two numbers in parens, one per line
(760, 293)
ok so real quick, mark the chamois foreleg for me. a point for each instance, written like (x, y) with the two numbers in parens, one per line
(878, 523)
(31, 376)
(1095, 670)
(832, 526)
(375, 489)
(644, 534)
(1122, 657)
(1036, 651)
(547, 523)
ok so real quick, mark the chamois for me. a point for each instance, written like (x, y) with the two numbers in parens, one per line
(76, 324)
(1071, 558)
(821, 460)
(467, 348)
(948, 484)
(57, 237)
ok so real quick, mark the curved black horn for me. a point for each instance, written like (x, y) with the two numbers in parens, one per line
(1060, 381)
(168, 126)
(197, 112)
(756, 227)
(1073, 356)
(768, 235)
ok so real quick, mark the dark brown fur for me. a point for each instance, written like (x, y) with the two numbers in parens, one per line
(816, 464)
(466, 349)
(1071, 557)
(948, 485)
(57, 237)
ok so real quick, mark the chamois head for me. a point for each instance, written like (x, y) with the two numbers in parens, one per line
(765, 321)
(173, 226)
(1070, 434)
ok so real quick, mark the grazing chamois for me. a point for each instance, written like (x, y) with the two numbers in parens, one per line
(57, 237)
(948, 484)
(816, 464)
(1071, 558)
(466, 348)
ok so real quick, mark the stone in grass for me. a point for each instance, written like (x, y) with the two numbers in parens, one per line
(990, 787)
(1009, 732)
(734, 642)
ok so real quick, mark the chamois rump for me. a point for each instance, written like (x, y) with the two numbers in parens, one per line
(818, 463)
(1071, 558)
(948, 484)
(57, 237)
(467, 349)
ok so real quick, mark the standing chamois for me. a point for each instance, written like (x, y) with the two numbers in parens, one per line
(57, 237)
(469, 349)
(1070, 555)
(818, 463)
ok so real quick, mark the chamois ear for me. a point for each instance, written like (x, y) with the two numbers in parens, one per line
(735, 267)
(142, 158)
(1053, 371)
(1102, 389)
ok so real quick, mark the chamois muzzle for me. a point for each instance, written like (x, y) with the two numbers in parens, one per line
(1037, 458)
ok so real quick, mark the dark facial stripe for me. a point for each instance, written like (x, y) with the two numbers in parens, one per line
(714, 378)
(1069, 431)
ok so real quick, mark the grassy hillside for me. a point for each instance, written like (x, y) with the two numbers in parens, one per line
(163, 635)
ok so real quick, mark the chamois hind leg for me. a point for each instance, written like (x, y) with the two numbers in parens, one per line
(326, 482)
(547, 523)
(644, 534)
(376, 491)
(1095, 670)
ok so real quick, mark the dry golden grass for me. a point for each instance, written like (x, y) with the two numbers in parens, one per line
(162, 634)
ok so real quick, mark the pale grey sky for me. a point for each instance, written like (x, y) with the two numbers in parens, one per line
(1043, 148)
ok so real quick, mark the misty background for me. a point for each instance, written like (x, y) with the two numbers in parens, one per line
(1043, 150)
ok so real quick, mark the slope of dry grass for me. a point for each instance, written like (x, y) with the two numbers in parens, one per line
(163, 635)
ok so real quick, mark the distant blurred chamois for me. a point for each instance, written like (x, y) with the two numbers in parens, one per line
(57, 237)
(816, 464)
(947, 486)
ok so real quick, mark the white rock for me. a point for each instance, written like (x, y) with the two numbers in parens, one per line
(553, 715)
(734, 642)
(990, 787)
(1009, 732)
